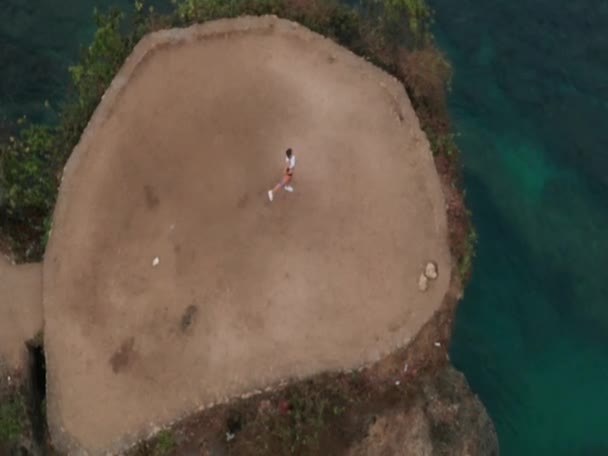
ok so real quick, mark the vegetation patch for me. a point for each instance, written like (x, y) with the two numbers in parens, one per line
(13, 418)
(165, 443)
(321, 415)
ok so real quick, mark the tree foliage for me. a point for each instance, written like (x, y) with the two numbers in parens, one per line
(12, 419)
(32, 160)
(27, 176)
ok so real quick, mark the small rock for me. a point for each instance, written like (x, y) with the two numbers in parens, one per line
(423, 282)
(405, 368)
(155, 261)
(397, 383)
(437, 344)
(430, 271)
(230, 436)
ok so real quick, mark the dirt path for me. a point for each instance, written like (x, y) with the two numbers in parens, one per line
(175, 165)
(20, 311)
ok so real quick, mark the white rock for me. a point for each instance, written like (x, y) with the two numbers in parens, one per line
(155, 261)
(423, 282)
(430, 271)
(437, 344)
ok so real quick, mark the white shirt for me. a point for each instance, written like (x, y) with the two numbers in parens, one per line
(291, 162)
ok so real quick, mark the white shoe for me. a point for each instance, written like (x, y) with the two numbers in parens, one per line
(270, 195)
(289, 188)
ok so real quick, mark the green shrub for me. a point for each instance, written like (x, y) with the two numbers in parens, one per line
(466, 261)
(399, 22)
(12, 419)
(101, 59)
(31, 161)
(311, 409)
(165, 443)
(98, 65)
(25, 172)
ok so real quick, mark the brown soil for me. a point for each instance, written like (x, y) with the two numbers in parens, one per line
(20, 311)
(175, 164)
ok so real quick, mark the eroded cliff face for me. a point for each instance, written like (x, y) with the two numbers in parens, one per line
(445, 418)
(441, 417)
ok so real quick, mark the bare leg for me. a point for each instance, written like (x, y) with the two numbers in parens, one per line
(286, 180)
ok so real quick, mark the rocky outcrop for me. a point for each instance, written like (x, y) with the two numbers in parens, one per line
(446, 419)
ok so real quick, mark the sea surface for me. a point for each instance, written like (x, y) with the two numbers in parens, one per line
(529, 101)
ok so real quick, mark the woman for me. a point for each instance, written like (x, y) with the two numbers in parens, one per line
(290, 164)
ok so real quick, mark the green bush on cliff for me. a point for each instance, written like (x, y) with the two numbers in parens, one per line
(12, 419)
(101, 59)
(27, 176)
(32, 160)
(392, 33)
(90, 79)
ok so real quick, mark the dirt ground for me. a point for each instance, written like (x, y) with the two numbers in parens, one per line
(175, 165)
(20, 311)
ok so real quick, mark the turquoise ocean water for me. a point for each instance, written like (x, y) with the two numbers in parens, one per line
(530, 101)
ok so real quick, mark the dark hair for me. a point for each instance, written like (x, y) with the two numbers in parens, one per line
(288, 153)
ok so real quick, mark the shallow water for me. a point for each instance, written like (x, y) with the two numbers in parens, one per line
(530, 100)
